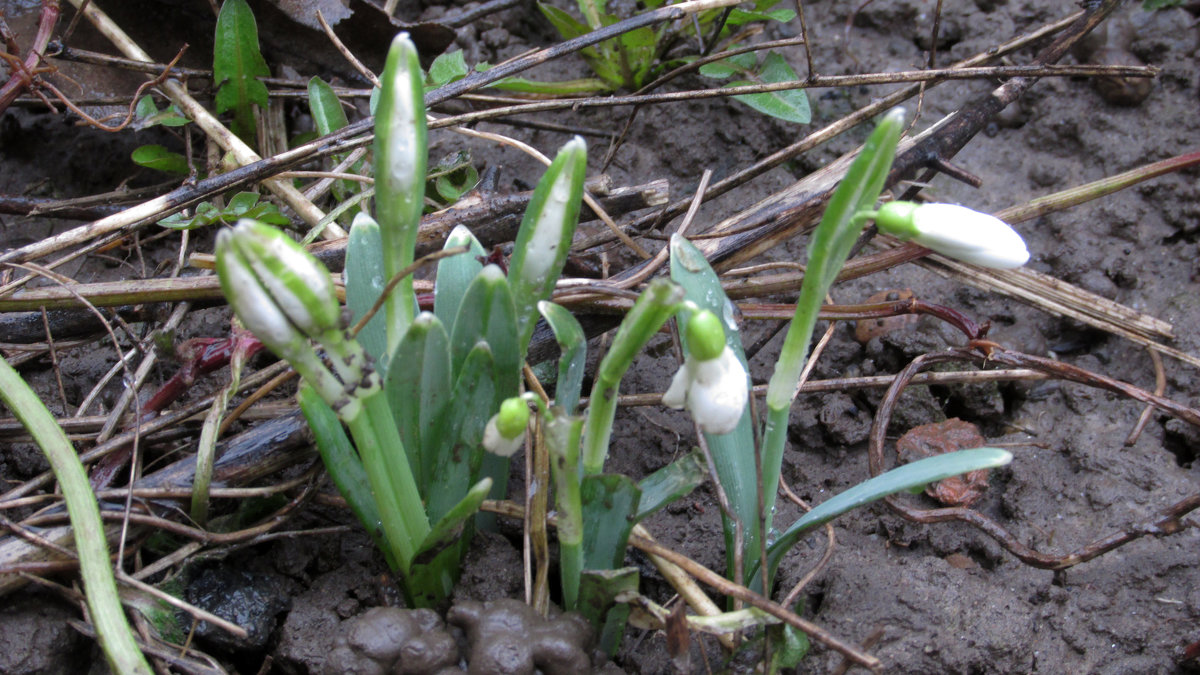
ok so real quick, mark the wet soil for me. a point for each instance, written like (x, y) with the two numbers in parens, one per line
(926, 598)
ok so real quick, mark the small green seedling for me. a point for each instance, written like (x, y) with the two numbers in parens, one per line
(237, 65)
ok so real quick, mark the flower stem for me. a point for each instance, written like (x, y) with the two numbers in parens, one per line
(656, 304)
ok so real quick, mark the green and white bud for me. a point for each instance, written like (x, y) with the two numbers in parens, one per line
(252, 303)
(712, 384)
(504, 434)
(299, 285)
(955, 231)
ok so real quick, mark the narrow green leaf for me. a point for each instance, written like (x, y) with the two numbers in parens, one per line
(487, 313)
(454, 274)
(104, 604)
(343, 464)
(572, 344)
(452, 446)
(610, 502)
(159, 158)
(901, 479)
(670, 483)
(739, 17)
(237, 63)
(364, 283)
(732, 453)
(418, 385)
(566, 25)
(436, 565)
(827, 252)
(327, 112)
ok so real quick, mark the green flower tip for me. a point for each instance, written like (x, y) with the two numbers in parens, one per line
(401, 47)
(895, 218)
(513, 417)
(705, 335)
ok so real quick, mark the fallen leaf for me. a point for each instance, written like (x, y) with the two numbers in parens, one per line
(930, 440)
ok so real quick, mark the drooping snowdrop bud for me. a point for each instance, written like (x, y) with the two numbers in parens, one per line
(504, 434)
(955, 231)
(712, 382)
(278, 290)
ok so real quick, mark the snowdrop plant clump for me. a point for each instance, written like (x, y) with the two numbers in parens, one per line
(412, 467)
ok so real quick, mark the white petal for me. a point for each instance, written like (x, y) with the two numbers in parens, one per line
(676, 394)
(969, 236)
(495, 443)
(718, 393)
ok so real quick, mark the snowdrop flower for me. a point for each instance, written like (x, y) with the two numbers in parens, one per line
(505, 432)
(712, 382)
(955, 231)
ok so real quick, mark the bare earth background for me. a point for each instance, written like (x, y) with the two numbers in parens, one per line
(935, 598)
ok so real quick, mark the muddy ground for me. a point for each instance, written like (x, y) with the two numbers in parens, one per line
(927, 598)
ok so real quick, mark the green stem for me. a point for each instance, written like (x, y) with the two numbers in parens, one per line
(831, 243)
(391, 479)
(656, 304)
(562, 442)
(104, 604)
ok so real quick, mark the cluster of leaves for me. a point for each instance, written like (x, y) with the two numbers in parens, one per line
(630, 60)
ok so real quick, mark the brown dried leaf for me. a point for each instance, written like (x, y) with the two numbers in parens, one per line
(868, 328)
(929, 440)
(305, 11)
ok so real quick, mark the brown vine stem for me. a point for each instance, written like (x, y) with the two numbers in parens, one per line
(22, 71)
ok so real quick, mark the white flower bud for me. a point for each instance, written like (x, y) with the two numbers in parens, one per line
(955, 231)
(713, 391)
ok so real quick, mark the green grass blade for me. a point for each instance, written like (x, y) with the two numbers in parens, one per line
(901, 479)
(674, 481)
(100, 588)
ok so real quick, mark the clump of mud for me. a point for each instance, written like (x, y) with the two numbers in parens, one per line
(501, 637)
